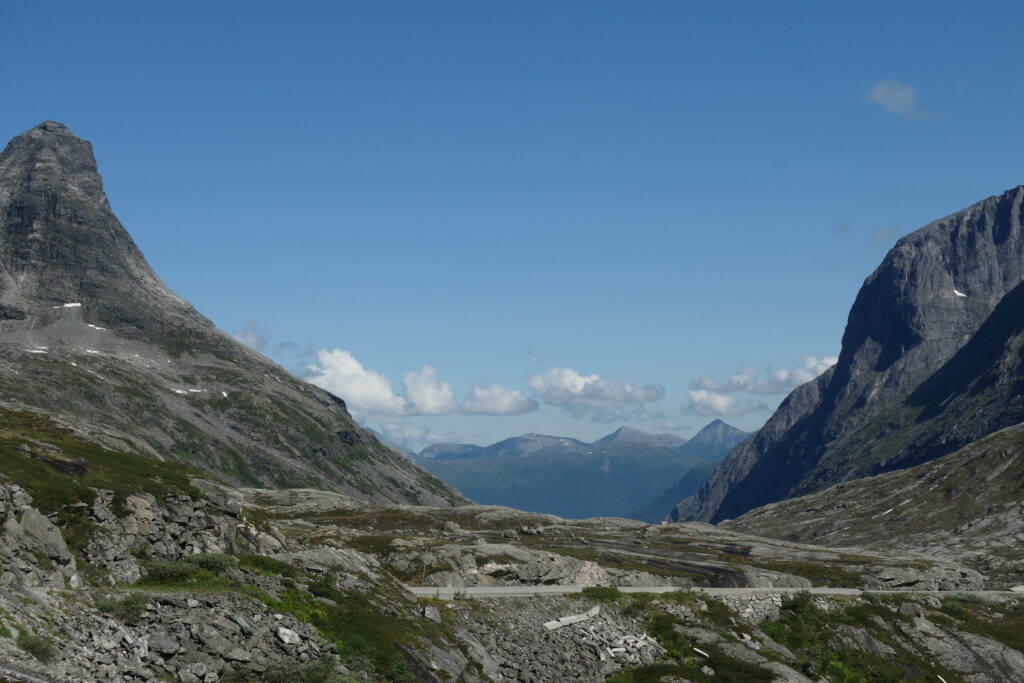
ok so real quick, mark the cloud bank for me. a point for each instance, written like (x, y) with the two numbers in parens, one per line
(712, 397)
(603, 399)
(370, 395)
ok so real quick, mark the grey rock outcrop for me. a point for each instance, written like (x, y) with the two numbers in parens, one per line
(927, 299)
(89, 334)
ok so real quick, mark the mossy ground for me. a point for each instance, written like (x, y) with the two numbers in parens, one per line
(811, 634)
(59, 469)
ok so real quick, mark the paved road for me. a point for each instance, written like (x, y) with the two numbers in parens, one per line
(447, 593)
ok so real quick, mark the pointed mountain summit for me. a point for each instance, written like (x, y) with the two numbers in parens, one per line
(930, 296)
(62, 243)
(90, 335)
(715, 438)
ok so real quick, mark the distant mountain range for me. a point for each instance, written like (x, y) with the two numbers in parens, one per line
(622, 474)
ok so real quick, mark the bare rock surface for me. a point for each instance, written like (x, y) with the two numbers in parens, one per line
(879, 408)
(90, 334)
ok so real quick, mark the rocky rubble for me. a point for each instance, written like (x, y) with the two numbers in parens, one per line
(188, 638)
(521, 648)
(50, 588)
(170, 529)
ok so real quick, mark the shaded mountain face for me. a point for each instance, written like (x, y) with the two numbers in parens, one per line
(928, 298)
(711, 444)
(563, 476)
(89, 334)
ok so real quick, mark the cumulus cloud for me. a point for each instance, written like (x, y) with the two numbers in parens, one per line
(494, 399)
(253, 335)
(774, 382)
(367, 393)
(412, 436)
(896, 98)
(425, 395)
(707, 403)
(591, 394)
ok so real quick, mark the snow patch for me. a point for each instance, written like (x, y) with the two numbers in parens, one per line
(180, 391)
(959, 293)
(224, 394)
(95, 327)
(36, 350)
(76, 305)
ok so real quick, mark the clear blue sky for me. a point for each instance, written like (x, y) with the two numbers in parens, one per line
(577, 208)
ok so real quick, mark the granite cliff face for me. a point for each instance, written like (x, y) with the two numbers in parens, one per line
(927, 299)
(89, 333)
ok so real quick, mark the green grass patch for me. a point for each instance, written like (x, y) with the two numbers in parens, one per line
(603, 593)
(197, 572)
(812, 634)
(268, 566)
(40, 647)
(976, 616)
(362, 633)
(129, 608)
(59, 478)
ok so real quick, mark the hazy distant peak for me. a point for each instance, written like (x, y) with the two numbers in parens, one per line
(631, 435)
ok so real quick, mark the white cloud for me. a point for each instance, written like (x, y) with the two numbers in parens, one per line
(896, 98)
(566, 387)
(252, 335)
(775, 382)
(669, 426)
(715, 404)
(412, 436)
(580, 394)
(784, 381)
(424, 395)
(370, 396)
(493, 399)
(367, 393)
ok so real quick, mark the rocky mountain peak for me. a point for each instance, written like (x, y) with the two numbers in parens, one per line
(718, 431)
(90, 335)
(61, 243)
(925, 301)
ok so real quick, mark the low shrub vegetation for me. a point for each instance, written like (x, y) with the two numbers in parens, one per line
(267, 565)
(129, 608)
(603, 593)
(40, 647)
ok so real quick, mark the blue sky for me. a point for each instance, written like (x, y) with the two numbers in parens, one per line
(575, 215)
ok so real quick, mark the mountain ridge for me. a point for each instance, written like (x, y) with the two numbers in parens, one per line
(929, 296)
(91, 335)
(571, 478)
